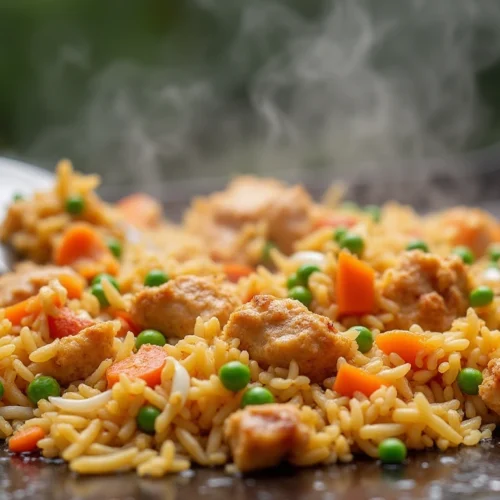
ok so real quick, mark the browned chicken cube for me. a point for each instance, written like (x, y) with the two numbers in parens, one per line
(472, 227)
(277, 331)
(172, 308)
(489, 390)
(218, 219)
(431, 291)
(27, 280)
(78, 356)
(263, 436)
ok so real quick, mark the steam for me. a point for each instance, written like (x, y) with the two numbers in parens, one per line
(361, 88)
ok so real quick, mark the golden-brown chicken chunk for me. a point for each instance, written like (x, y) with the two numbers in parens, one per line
(173, 307)
(28, 279)
(218, 219)
(471, 227)
(277, 331)
(431, 291)
(489, 390)
(263, 436)
(78, 356)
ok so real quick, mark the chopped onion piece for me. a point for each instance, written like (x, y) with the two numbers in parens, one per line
(81, 405)
(132, 234)
(309, 257)
(492, 274)
(181, 381)
(16, 412)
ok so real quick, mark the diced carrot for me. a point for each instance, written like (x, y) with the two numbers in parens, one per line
(74, 285)
(355, 286)
(83, 248)
(235, 271)
(470, 227)
(404, 343)
(495, 232)
(338, 220)
(351, 379)
(16, 312)
(67, 323)
(146, 364)
(127, 322)
(26, 439)
(141, 210)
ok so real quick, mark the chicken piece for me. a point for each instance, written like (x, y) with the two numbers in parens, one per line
(286, 211)
(141, 210)
(431, 291)
(489, 390)
(78, 356)
(263, 436)
(277, 331)
(471, 227)
(173, 307)
(27, 280)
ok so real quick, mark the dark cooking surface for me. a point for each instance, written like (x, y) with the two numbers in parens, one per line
(473, 472)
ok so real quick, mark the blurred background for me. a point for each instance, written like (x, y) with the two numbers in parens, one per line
(401, 98)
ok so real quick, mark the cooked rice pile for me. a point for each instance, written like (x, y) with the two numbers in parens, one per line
(93, 426)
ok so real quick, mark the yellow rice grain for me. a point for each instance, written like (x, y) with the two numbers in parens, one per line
(126, 347)
(113, 295)
(434, 422)
(22, 371)
(6, 351)
(44, 353)
(191, 445)
(99, 373)
(120, 460)
(377, 432)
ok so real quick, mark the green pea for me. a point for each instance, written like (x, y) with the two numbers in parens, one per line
(353, 242)
(293, 281)
(115, 247)
(234, 376)
(392, 451)
(364, 339)
(302, 294)
(481, 296)
(155, 277)
(18, 197)
(153, 337)
(339, 233)
(469, 380)
(98, 279)
(266, 251)
(464, 253)
(257, 396)
(417, 245)
(146, 418)
(374, 211)
(75, 205)
(98, 291)
(305, 271)
(2, 390)
(42, 387)
(494, 252)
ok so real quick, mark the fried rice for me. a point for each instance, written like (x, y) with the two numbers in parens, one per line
(227, 286)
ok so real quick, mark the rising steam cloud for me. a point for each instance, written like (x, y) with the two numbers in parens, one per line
(364, 83)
